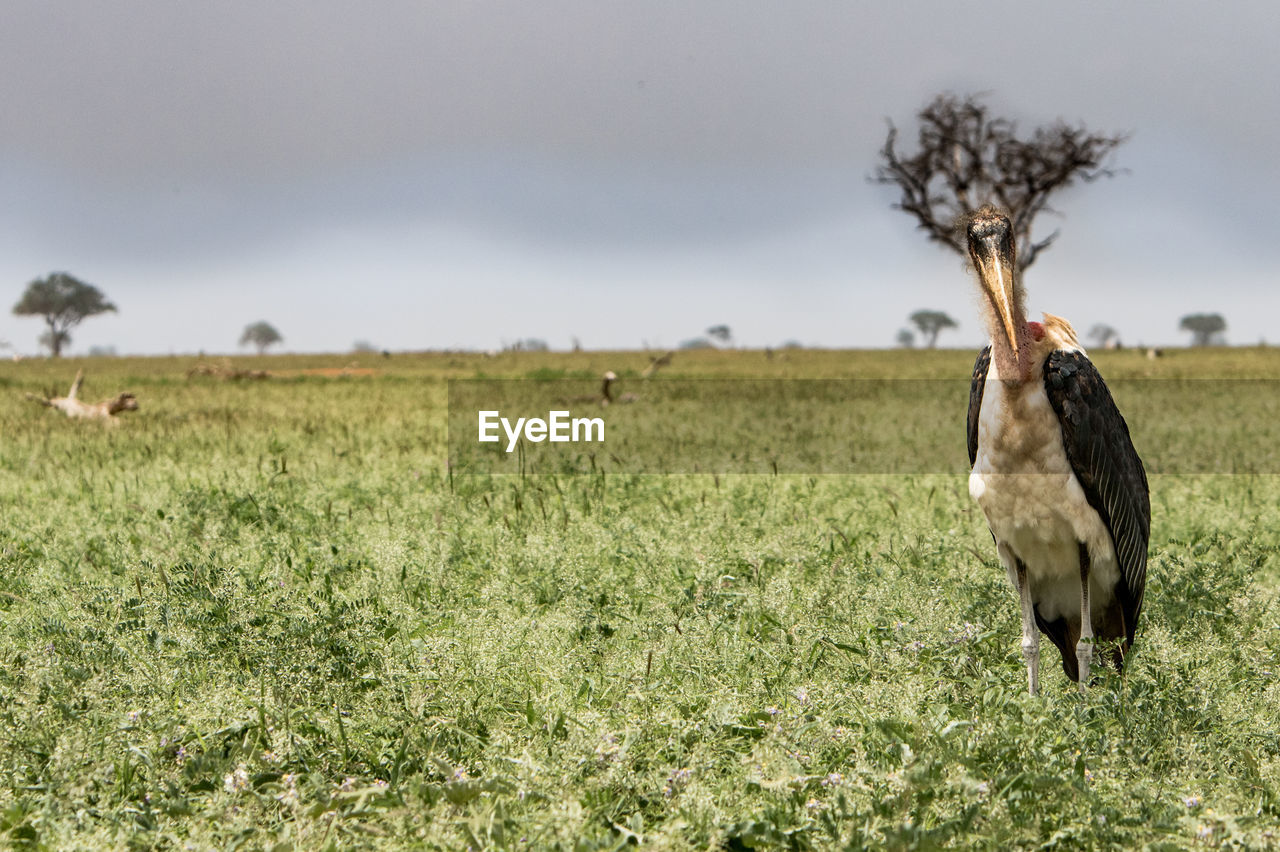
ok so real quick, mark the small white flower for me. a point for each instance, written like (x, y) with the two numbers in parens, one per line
(1191, 801)
(234, 782)
(834, 779)
(802, 695)
(348, 784)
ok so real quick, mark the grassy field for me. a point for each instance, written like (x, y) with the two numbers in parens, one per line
(264, 615)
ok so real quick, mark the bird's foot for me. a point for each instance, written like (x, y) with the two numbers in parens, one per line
(1084, 659)
(1031, 653)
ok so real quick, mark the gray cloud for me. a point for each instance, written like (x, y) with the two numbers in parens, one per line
(250, 91)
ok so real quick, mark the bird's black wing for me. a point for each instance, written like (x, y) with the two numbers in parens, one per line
(980, 368)
(1101, 452)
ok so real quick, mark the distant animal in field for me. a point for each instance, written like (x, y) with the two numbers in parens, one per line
(605, 396)
(601, 397)
(622, 399)
(226, 372)
(656, 363)
(1054, 471)
(75, 409)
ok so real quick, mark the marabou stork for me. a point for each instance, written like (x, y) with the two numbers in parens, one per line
(605, 397)
(625, 399)
(1054, 471)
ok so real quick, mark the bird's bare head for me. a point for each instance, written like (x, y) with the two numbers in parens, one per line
(992, 250)
(990, 234)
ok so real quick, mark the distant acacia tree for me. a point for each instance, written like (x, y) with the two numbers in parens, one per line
(260, 334)
(63, 301)
(54, 341)
(697, 343)
(1104, 334)
(721, 333)
(931, 324)
(1206, 329)
(906, 338)
(529, 344)
(968, 157)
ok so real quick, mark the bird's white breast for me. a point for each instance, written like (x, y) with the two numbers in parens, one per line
(1034, 504)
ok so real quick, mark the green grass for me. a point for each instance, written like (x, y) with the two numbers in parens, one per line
(264, 615)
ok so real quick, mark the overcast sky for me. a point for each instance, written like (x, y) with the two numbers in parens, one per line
(463, 174)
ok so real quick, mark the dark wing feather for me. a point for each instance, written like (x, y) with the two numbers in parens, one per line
(1101, 452)
(980, 368)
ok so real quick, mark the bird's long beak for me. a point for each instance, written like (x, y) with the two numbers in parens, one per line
(997, 280)
(991, 248)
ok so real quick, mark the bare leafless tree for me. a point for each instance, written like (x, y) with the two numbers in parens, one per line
(968, 157)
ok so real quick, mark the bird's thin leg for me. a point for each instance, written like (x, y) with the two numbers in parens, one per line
(1030, 639)
(1084, 648)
